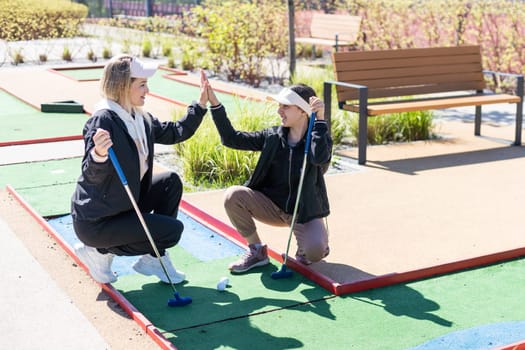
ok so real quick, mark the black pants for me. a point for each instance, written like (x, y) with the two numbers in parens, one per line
(123, 234)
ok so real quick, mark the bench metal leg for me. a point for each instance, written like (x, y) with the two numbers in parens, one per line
(362, 139)
(327, 97)
(519, 111)
(477, 121)
(519, 123)
(363, 125)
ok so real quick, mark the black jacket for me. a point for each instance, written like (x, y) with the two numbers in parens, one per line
(270, 141)
(99, 192)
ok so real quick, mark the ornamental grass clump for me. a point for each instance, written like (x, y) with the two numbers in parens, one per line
(206, 163)
(397, 127)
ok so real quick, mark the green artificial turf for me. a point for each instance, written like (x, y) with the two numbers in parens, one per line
(83, 74)
(22, 122)
(395, 317)
(46, 185)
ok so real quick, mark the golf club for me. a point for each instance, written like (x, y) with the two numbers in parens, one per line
(178, 300)
(283, 272)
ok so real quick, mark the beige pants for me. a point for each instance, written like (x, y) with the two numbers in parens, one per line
(243, 205)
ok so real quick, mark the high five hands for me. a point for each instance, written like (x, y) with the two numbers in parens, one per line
(207, 93)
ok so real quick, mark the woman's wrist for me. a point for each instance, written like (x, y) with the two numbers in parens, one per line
(98, 153)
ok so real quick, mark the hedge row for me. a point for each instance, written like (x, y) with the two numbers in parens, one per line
(40, 19)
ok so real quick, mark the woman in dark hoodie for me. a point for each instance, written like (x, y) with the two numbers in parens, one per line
(103, 215)
(270, 193)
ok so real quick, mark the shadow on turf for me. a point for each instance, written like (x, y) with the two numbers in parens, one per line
(251, 323)
(401, 300)
(254, 310)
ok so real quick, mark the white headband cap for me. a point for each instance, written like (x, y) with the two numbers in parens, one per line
(140, 69)
(289, 97)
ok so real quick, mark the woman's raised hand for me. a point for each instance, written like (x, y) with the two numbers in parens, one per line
(317, 106)
(212, 98)
(203, 99)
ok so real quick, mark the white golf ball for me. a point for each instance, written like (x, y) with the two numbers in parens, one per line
(223, 282)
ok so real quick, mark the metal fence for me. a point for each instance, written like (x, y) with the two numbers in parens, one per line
(110, 8)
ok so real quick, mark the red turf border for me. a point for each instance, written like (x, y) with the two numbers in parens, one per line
(133, 312)
(58, 69)
(520, 345)
(357, 286)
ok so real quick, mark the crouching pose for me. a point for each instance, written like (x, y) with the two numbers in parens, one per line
(103, 215)
(269, 195)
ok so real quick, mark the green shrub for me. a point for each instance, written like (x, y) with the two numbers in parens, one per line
(40, 19)
(240, 36)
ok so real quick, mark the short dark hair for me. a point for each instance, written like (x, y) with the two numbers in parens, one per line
(304, 91)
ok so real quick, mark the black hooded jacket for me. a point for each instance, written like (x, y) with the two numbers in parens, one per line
(273, 145)
(99, 192)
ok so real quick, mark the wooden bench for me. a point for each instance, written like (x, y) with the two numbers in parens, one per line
(332, 30)
(453, 73)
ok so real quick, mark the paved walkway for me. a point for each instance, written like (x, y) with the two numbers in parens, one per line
(35, 311)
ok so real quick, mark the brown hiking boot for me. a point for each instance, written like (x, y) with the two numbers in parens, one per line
(252, 258)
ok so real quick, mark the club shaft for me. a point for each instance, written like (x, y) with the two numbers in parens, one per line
(300, 187)
(124, 181)
(295, 209)
(148, 234)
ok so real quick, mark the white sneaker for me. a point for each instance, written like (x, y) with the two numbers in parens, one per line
(99, 265)
(149, 265)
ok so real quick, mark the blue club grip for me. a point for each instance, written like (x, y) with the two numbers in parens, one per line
(309, 133)
(116, 164)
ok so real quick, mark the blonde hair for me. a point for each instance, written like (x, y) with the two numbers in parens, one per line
(116, 80)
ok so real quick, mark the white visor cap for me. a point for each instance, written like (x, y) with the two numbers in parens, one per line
(289, 97)
(141, 69)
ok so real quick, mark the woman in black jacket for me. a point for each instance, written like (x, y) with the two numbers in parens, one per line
(269, 195)
(103, 216)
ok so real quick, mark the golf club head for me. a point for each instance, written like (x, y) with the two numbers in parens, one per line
(282, 273)
(179, 301)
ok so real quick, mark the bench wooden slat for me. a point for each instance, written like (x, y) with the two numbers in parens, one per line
(359, 65)
(408, 53)
(411, 86)
(436, 70)
(422, 105)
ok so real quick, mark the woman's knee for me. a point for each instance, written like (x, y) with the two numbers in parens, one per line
(173, 234)
(315, 253)
(235, 195)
